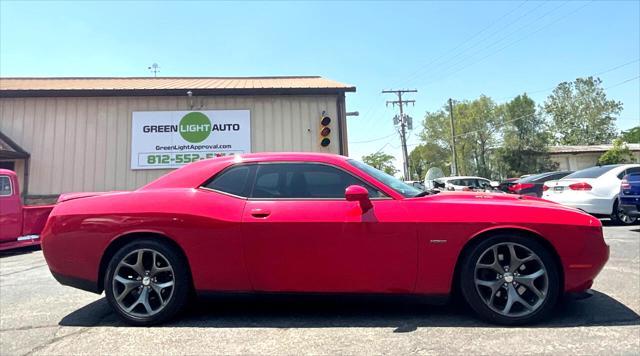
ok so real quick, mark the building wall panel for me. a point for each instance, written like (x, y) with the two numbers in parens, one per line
(84, 143)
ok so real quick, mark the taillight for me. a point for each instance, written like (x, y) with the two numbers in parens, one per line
(520, 186)
(624, 183)
(580, 186)
(545, 188)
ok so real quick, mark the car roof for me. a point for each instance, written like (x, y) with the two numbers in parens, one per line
(292, 156)
(197, 172)
(462, 177)
(542, 175)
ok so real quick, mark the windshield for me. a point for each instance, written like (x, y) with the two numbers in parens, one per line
(593, 172)
(390, 181)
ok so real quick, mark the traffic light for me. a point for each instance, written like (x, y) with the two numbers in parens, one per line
(325, 130)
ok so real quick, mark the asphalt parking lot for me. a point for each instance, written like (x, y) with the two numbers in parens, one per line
(39, 316)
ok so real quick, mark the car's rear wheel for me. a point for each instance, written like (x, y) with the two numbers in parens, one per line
(619, 216)
(510, 280)
(147, 282)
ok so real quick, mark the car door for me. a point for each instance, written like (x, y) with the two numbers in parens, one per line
(10, 212)
(301, 235)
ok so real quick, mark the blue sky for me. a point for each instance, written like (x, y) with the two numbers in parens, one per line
(443, 49)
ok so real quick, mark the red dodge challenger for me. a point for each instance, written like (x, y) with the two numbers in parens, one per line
(318, 223)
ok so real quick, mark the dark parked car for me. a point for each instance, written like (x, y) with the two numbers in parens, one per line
(533, 185)
(630, 194)
(505, 184)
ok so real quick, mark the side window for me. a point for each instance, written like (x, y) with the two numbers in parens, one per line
(304, 180)
(5, 186)
(233, 181)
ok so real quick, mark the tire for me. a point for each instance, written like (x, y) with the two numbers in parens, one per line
(619, 217)
(487, 287)
(149, 290)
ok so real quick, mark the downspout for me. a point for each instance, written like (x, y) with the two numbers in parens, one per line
(340, 106)
(25, 178)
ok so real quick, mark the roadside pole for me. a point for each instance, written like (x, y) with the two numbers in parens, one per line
(402, 122)
(454, 161)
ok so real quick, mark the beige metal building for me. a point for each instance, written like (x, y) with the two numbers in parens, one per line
(75, 134)
(573, 158)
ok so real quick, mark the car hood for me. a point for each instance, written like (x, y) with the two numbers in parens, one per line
(496, 198)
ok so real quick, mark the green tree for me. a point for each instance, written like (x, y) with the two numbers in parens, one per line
(581, 114)
(525, 139)
(381, 161)
(619, 153)
(631, 136)
(477, 123)
(425, 156)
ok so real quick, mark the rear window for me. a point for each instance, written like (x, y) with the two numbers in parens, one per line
(532, 178)
(593, 172)
(5, 186)
(543, 177)
(633, 170)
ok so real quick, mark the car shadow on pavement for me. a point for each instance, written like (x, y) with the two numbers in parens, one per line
(405, 315)
(19, 251)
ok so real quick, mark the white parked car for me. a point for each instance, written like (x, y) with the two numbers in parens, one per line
(594, 190)
(464, 183)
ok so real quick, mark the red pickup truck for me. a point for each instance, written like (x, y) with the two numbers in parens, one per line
(19, 225)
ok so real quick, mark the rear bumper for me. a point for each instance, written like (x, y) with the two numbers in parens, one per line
(590, 204)
(630, 210)
(89, 286)
(579, 295)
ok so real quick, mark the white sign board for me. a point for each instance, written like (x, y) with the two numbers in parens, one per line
(170, 139)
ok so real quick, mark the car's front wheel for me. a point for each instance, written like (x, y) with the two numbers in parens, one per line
(510, 280)
(147, 282)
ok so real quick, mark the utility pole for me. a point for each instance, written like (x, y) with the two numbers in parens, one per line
(402, 121)
(454, 162)
(154, 68)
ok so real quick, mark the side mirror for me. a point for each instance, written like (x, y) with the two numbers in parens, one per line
(356, 193)
(360, 194)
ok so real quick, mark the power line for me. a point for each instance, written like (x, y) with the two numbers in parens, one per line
(512, 43)
(616, 67)
(448, 63)
(373, 140)
(525, 116)
(462, 43)
(623, 82)
(591, 75)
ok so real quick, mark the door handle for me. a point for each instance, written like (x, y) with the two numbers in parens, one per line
(260, 213)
